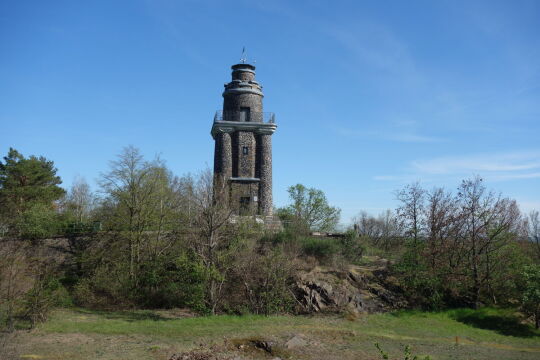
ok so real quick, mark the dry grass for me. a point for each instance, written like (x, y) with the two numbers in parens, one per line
(80, 334)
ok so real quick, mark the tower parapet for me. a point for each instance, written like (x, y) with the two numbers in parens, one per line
(243, 144)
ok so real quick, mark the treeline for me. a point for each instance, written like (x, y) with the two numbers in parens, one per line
(151, 239)
(147, 239)
(468, 248)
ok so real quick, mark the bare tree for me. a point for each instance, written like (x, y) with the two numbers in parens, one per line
(384, 230)
(389, 229)
(533, 230)
(212, 243)
(15, 280)
(440, 213)
(80, 200)
(367, 225)
(411, 210)
(489, 222)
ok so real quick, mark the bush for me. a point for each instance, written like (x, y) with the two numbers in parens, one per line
(422, 286)
(173, 283)
(106, 286)
(324, 249)
(351, 248)
(46, 293)
(39, 222)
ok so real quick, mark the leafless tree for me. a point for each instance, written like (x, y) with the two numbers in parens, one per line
(440, 225)
(212, 243)
(367, 225)
(533, 230)
(80, 200)
(389, 229)
(411, 210)
(488, 222)
(383, 231)
(14, 279)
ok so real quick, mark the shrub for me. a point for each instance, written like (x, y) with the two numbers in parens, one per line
(422, 287)
(39, 222)
(171, 282)
(323, 249)
(530, 300)
(46, 293)
(351, 248)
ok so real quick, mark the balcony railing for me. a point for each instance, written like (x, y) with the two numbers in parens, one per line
(264, 117)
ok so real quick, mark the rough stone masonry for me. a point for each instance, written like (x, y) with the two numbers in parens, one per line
(243, 144)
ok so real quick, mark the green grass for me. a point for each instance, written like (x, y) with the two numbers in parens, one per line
(453, 334)
(144, 323)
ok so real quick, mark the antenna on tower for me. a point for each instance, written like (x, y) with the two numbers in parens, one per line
(243, 59)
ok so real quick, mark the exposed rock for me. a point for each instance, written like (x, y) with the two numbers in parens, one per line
(295, 342)
(358, 289)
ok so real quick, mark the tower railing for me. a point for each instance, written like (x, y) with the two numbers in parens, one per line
(264, 117)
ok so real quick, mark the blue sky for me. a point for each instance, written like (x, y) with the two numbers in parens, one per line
(368, 96)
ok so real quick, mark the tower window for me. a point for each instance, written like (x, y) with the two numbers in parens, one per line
(245, 114)
(245, 150)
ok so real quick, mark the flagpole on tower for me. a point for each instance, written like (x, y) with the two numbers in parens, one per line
(243, 59)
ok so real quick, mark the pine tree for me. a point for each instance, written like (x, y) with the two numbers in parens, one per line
(26, 184)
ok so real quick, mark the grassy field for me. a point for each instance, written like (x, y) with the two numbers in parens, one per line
(456, 334)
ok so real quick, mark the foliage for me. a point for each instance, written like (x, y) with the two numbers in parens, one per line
(173, 282)
(30, 285)
(422, 286)
(38, 222)
(533, 230)
(46, 293)
(168, 241)
(263, 279)
(462, 249)
(324, 249)
(26, 184)
(352, 248)
(309, 210)
(531, 294)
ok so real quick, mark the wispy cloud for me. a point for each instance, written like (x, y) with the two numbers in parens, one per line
(493, 167)
(396, 132)
(483, 163)
(376, 46)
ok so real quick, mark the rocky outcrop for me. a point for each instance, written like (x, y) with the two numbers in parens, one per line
(357, 289)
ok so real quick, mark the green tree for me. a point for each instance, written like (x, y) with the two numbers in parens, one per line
(26, 183)
(531, 294)
(137, 198)
(310, 209)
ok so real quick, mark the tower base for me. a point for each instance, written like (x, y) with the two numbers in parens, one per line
(270, 223)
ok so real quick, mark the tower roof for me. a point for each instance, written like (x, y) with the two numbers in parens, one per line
(243, 67)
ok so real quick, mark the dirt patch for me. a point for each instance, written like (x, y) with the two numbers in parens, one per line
(260, 347)
(175, 313)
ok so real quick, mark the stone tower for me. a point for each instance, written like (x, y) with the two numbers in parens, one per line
(243, 144)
